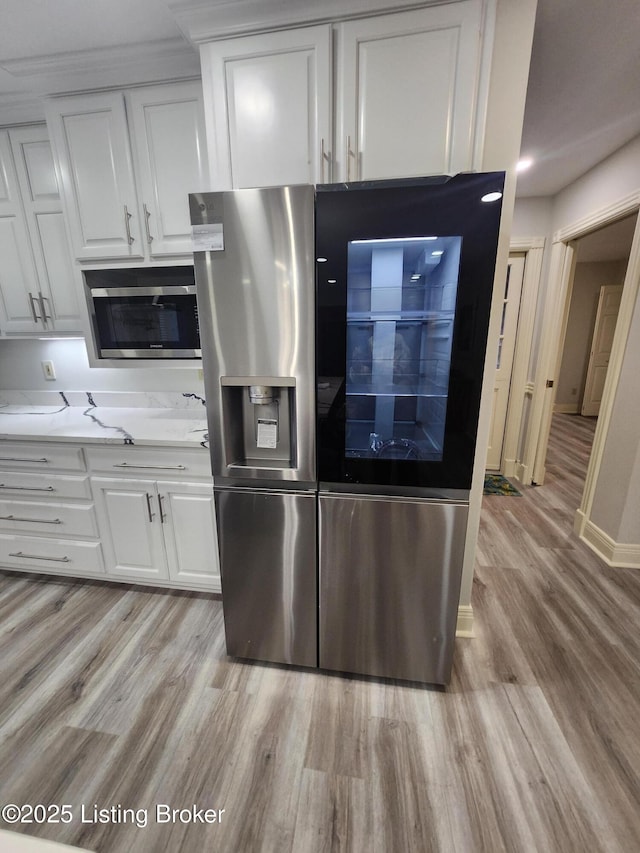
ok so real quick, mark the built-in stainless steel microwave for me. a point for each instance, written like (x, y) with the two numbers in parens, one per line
(145, 312)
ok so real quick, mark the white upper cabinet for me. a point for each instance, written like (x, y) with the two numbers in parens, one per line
(37, 290)
(170, 161)
(407, 87)
(127, 164)
(406, 99)
(268, 108)
(90, 138)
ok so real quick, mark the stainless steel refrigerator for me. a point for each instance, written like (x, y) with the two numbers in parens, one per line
(343, 332)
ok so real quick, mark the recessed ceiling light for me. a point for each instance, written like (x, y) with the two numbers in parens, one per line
(437, 252)
(415, 278)
(321, 260)
(524, 164)
(491, 197)
(331, 280)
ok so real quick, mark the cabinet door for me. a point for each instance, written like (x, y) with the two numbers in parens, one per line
(267, 104)
(188, 515)
(57, 301)
(406, 93)
(19, 311)
(171, 161)
(130, 528)
(91, 143)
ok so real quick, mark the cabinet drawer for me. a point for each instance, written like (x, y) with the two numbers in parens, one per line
(56, 556)
(40, 457)
(51, 518)
(21, 485)
(153, 464)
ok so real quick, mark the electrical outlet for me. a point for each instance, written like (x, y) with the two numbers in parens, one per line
(48, 369)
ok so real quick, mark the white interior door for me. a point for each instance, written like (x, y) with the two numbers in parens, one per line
(504, 359)
(606, 318)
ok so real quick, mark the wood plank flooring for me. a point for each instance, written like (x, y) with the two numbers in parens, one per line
(121, 697)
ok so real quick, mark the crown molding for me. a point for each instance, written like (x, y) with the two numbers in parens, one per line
(599, 218)
(107, 67)
(217, 19)
(21, 108)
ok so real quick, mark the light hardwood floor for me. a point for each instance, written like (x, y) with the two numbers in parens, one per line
(117, 696)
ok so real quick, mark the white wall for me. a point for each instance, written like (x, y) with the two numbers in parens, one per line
(532, 217)
(617, 493)
(606, 183)
(503, 133)
(20, 369)
(617, 489)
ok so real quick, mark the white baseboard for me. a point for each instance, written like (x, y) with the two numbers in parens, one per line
(521, 474)
(566, 408)
(464, 625)
(615, 554)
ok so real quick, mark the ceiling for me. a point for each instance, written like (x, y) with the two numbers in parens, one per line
(582, 101)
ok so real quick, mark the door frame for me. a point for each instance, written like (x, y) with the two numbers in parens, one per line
(554, 323)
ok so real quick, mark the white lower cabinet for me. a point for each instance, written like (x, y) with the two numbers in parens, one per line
(61, 512)
(53, 556)
(47, 517)
(129, 528)
(188, 516)
(158, 531)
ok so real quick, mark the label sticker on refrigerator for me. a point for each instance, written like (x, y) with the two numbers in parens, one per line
(267, 433)
(208, 238)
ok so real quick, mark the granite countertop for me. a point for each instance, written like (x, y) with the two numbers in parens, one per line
(169, 419)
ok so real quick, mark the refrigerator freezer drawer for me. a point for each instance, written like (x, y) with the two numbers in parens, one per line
(390, 573)
(267, 546)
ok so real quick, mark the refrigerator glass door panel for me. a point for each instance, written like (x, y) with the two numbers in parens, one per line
(267, 544)
(404, 281)
(401, 297)
(390, 573)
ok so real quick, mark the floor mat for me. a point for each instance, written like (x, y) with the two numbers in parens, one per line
(496, 484)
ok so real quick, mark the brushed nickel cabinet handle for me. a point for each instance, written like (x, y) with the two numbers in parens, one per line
(324, 156)
(348, 159)
(127, 217)
(40, 557)
(28, 488)
(34, 520)
(43, 308)
(163, 517)
(149, 510)
(21, 459)
(32, 304)
(150, 467)
(147, 214)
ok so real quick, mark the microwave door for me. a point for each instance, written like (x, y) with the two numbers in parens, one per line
(146, 322)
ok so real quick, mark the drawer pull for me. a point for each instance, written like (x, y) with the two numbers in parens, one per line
(20, 459)
(35, 520)
(150, 467)
(163, 517)
(40, 557)
(28, 488)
